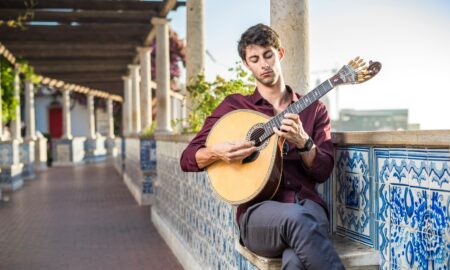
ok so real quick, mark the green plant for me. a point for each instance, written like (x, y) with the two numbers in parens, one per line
(9, 102)
(206, 96)
(7, 73)
(148, 132)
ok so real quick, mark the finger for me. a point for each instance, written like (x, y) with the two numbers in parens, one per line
(241, 154)
(291, 116)
(241, 145)
(278, 132)
(286, 121)
(286, 129)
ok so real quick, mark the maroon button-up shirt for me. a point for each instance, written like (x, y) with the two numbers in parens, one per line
(297, 179)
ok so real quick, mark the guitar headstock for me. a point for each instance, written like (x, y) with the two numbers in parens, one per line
(356, 71)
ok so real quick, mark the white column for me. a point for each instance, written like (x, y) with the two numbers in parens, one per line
(91, 116)
(110, 118)
(146, 90)
(162, 74)
(67, 123)
(16, 123)
(195, 38)
(126, 107)
(290, 20)
(30, 111)
(136, 99)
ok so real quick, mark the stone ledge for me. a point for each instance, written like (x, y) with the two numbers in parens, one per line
(353, 255)
(428, 138)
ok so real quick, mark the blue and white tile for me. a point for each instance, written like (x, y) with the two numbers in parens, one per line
(384, 243)
(383, 207)
(381, 172)
(439, 227)
(402, 247)
(399, 195)
(418, 168)
(353, 160)
(439, 171)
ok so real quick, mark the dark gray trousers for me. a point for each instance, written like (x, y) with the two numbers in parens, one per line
(297, 232)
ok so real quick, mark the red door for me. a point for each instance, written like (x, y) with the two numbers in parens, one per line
(55, 122)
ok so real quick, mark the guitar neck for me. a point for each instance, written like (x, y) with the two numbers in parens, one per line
(296, 108)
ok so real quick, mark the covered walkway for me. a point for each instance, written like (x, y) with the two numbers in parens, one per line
(79, 218)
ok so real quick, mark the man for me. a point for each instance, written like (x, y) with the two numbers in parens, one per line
(294, 224)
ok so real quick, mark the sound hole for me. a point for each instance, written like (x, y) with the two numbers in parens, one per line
(255, 134)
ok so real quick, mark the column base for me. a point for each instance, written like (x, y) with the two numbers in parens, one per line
(68, 152)
(40, 158)
(95, 150)
(11, 177)
(10, 166)
(40, 167)
(27, 153)
(111, 148)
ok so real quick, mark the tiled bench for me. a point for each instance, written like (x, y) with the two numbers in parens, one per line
(353, 255)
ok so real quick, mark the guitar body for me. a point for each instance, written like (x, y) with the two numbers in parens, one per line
(245, 182)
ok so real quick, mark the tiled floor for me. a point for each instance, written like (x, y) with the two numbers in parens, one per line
(79, 218)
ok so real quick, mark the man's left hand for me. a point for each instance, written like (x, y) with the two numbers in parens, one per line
(292, 130)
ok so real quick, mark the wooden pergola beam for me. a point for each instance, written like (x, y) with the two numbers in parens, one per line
(41, 45)
(81, 76)
(72, 54)
(79, 68)
(80, 37)
(88, 4)
(135, 28)
(85, 16)
(82, 62)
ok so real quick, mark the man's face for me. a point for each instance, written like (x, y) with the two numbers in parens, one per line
(264, 63)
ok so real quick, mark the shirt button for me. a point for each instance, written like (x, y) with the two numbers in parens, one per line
(288, 182)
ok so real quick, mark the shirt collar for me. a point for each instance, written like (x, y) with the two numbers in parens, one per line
(257, 98)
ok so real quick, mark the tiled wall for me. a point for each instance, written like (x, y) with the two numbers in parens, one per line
(396, 200)
(203, 223)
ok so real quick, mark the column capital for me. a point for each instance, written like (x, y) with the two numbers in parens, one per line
(132, 67)
(142, 50)
(159, 21)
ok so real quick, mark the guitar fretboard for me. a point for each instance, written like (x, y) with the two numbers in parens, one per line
(296, 108)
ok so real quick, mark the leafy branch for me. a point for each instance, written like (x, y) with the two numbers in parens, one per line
(19, 21)
(206, 96)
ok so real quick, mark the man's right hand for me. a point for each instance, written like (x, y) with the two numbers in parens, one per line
(228, 152)
(233, 151)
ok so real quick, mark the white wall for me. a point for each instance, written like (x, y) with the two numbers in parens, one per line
(79, 117)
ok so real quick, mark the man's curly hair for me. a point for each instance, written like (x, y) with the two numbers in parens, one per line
(259, 34)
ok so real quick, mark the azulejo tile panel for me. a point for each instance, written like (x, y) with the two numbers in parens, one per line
(148, 155)
(354, 214)
(416, 208)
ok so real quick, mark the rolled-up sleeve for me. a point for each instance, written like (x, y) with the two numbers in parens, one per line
(324, 161)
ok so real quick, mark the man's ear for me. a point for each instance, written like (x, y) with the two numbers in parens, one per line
(280, 53)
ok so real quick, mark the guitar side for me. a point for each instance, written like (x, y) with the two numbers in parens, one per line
(239, 183)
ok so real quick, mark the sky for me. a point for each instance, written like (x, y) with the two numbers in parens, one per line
(411, 38)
